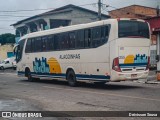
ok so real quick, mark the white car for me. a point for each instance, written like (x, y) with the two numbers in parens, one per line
(7, 63)
(14, 65)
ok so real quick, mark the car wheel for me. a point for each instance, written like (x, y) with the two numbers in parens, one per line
(71, 77)
(2, 68)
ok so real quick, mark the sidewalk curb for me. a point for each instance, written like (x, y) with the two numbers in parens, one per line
(153, 82)
(8, 74)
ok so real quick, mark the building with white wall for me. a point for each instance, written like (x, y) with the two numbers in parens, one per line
(63, 16)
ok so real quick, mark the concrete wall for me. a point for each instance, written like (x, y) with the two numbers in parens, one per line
(79, 17)
(71, 15)
(3, 51)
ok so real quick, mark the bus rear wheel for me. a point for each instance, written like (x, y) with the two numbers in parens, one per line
(29, 76)
(71, 77)
(31, 79)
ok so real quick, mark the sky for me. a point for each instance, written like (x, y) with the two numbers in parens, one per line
(8, 15)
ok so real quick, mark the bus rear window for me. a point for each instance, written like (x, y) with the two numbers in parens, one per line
(128, 28)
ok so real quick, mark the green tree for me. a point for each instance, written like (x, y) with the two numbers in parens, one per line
(7, 38)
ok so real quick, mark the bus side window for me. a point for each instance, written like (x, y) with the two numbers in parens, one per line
(96, 36)
(106, 29)
(72, 39)
(57, 42)
(104, 33)
(50, 43)
(87, 38)
(64, 42)
(80, 39)
(38, 44)
(32, 45)
(28, 46)
(44, 44)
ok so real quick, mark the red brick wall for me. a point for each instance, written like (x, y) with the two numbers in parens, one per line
(133, 11)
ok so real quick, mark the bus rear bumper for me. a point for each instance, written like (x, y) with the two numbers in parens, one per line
(120, 76)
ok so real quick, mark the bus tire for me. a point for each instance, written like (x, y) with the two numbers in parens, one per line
(71, 77)
(29, 75)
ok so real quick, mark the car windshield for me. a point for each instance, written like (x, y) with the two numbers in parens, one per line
(3, 61)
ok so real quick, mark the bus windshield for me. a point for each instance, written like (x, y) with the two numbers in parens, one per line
(132, 28)
(19, 50)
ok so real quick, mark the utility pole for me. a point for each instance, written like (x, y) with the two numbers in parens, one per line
(158, 11)
(99, 10)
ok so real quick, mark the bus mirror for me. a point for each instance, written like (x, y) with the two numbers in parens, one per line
(15, 49)
(157, 58)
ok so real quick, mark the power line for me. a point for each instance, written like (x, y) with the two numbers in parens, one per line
(31, 10)
(6, 29)
(13, 16)
(31, 16)
(8, 20)
(7, 15)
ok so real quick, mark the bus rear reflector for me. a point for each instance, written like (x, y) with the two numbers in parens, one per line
(115, 65)
(118, 19)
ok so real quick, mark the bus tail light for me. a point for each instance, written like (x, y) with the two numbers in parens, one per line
(147, 68)
(118, 19)
(115, 65)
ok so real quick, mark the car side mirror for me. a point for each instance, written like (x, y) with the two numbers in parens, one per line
(157, 58)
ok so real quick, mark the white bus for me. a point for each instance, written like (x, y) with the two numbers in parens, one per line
(108, 50)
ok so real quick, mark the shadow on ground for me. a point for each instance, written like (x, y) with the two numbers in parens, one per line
(107, 86)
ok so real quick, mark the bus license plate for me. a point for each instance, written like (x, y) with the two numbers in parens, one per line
(133, 75)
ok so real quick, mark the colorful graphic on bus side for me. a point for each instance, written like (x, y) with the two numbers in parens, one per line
(44, 66)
